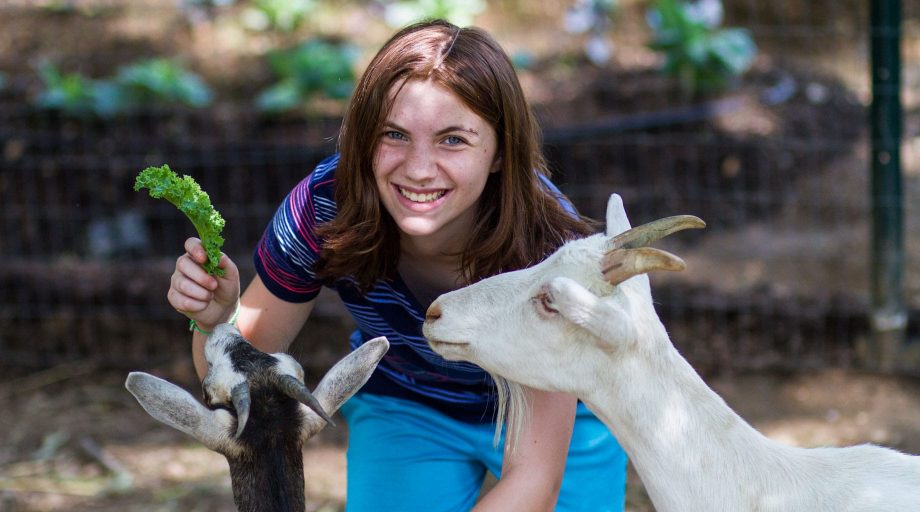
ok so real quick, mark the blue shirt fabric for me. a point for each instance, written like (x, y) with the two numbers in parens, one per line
(284, 260)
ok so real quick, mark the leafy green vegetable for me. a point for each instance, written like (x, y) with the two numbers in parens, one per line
(185, 194)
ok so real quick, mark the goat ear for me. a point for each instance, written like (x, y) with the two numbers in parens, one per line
(343, 380)
(617, 222)
(578, 305)
(174, 406)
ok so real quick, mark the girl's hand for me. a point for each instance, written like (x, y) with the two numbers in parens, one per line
(206, 299)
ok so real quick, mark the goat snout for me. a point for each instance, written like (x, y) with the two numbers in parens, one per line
(433, 313)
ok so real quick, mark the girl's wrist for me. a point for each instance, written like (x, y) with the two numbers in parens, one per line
(208, 329)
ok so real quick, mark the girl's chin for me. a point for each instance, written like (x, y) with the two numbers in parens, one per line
(417, 228)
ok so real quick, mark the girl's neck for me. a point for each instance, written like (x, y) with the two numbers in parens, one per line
(432, 248)
(428, 276)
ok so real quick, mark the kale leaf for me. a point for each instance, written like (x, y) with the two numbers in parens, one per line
(185, 194)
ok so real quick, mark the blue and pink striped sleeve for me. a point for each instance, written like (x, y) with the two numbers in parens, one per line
(289, 246)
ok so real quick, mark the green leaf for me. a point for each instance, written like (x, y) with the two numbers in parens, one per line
(312, 68)
(185, 194)
(164, 81)
(701, 57)
(734, 49)
(279, 97)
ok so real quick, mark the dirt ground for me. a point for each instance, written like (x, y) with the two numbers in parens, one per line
(74, 439)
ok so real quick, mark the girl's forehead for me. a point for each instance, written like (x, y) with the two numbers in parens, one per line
(420, 99)
(415, 86)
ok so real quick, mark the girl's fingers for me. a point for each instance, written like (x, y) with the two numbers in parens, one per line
(195, 249)
(227, 264)
(192, 270)
(194, 292)
(231, 272)
(184, 303)
(188, 288)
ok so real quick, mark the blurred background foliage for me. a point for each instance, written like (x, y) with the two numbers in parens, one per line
(735, 111)
(309, 62)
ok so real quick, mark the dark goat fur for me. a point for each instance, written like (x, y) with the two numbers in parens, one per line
(271, 441)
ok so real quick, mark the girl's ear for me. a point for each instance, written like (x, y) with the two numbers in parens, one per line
(496, 163)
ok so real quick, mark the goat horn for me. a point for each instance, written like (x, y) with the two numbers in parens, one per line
(643, 235)
(619, 265)
(239, 395)
(297, 390)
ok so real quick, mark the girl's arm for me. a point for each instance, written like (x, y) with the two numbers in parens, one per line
(532, 475)
(268, 322)
(271, 324)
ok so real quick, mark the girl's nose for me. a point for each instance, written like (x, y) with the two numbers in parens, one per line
(421, 165)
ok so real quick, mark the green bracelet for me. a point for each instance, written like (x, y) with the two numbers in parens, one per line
(192, 326)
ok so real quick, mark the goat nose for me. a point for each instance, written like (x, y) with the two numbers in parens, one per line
(433, 313)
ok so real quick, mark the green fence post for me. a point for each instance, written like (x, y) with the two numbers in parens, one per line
(888, 316)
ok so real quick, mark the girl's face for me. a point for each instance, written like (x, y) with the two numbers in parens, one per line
(431, 163)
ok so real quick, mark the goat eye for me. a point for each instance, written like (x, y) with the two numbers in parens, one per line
(545, 304)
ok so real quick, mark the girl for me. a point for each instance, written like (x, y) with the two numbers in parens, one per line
(439, 181)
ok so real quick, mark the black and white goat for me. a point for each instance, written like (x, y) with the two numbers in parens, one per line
(583, 322)
(259, 413)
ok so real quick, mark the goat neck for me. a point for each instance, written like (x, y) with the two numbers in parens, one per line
(680, 435)
(267, 472)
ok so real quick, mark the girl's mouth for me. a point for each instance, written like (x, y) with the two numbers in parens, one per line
(421, 198)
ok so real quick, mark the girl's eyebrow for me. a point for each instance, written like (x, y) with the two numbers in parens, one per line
(456, 128)
(390, 124)
(442, 131)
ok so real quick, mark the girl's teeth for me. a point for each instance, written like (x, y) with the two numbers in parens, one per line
(420, 198)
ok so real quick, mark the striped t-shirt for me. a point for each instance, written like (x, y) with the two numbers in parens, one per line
(284, 260)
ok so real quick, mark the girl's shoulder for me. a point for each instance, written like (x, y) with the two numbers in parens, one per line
(557, 194)
(323, 175)
(312, 200)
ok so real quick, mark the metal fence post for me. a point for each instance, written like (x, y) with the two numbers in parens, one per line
(888, 315)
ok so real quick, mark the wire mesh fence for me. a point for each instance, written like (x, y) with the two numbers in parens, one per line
(777, 166)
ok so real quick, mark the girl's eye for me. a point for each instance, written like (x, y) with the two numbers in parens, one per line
(393, 134)
(453, 140)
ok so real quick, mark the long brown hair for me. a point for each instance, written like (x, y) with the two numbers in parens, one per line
(519, 221)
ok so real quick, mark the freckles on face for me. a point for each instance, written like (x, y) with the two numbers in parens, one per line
(431, 162)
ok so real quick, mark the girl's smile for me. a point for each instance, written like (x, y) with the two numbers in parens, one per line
(421, 197)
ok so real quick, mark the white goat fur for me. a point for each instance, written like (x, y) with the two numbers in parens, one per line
(559, 326)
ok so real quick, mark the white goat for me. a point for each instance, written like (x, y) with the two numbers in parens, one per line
(263, 440)
(583, 322)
